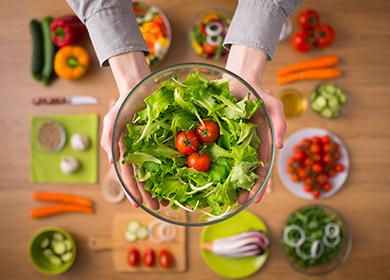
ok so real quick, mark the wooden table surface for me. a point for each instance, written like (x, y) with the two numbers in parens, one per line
(363, 41)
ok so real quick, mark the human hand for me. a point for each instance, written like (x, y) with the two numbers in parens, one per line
(128, 69)
(249, 64)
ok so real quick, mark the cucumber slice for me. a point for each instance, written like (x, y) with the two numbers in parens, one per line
(342, 96)
(329, 88)
(320, 102)
(130, 236)
(68, 245)
(45, 243)
(58, 236)
(333, 103)
(67, 256)
(59, 248)
(133, 226)
(327, 113)
(142, 233)
(54, 260)
(47, 253)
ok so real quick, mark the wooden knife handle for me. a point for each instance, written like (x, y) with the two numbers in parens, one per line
(48, 100)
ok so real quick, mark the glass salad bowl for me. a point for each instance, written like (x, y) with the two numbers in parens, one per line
(175, 101)
(316, 240)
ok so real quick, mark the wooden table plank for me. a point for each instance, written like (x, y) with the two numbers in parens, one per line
(363, 40)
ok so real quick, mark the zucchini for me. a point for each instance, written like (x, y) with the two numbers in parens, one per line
(48, 50)
(328, 100)
(37, 49)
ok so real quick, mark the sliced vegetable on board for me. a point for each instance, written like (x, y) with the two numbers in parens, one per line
(328, 100)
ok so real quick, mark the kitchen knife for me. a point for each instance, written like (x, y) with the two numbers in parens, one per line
(73, 100)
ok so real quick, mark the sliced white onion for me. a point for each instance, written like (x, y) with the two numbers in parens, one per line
(301, 254)
(198, 189)
(288, 241)
(214, 28)
(316, 250)
(332, 230)
(210, 40)
(163, 229)
(185, 208)
(331, 244)
(216, 216)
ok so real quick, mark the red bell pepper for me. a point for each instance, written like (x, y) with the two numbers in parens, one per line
(66, 30)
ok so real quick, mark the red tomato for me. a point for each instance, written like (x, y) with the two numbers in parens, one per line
(327, 186)
(291, 160)
(315, 149)
(332, 173)
(308, 19)
(316, 140)
(315, 157)
(209, 49)
(187, 142)
(325, 35)
(207, 132)
(149, 257)
(317, 168)
(308, 162)
(133, 257)
(200, 161)
(339, 167)
(290, 169)
(166, 259)
(294, 177)
(325, 139)
(322, 178)
(302, 173)
(308, 187)
(300, 156)
(302, 42)
(327, 158)
(316, 194)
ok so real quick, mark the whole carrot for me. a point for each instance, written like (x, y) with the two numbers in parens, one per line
(319, 62)
(47, 211)
(62, 197)
(313, 74)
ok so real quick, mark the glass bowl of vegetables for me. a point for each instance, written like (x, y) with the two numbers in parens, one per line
(207, 33)
(195, 137)
(155, 30)
(316, 240)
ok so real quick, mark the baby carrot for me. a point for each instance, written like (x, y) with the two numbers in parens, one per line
(62, 197)
(312, 74)
(319, 62)
(47, 211)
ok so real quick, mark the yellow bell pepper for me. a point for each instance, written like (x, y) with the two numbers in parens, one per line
(71, 62)
(197, 47)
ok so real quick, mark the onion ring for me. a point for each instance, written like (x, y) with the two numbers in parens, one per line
(301, 239)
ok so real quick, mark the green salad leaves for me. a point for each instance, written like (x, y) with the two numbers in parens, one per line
(181, 105)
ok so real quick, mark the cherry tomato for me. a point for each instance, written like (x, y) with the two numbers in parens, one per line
(316, 194)
(290, 169)
(308, 19)
(187, 142)
(294, 178)
(200, 161)
(315, 148)
(300, 156)
(302, 41)
(209, 49)
(166, 259)
(291, 160)
(327, 158)
(325, 35)
(339, 167)
(325, 139)
(302, 173)
(326, 186)
(149, 257)
(315, 157)
(308, 187)
(317, 168)
(322, 178)
(332, 173)
(308, 161)
(133, 257)
(207, 132)
(316, 140)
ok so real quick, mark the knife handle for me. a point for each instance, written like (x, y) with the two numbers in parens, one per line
(48, 100)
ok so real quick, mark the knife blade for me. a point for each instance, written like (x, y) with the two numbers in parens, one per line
(73, 100)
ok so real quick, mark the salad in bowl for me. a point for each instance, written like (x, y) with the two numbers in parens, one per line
(195, 137)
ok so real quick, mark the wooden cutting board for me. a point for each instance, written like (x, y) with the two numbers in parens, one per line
(120, 246)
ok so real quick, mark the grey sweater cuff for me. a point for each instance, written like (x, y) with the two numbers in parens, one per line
(256, 24)
(114, 30)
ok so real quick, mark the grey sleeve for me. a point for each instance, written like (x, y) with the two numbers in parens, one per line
(111, 25)
(257, 23)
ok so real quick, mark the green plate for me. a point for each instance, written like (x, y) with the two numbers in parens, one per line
(238, 267)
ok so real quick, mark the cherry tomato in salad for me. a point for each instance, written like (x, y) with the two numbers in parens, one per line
(133, 257)
(166, 259)
(200, 161)
(308, 19)
(149, 257)
(325, 35)
(302, 41)
(187, 142)
(207, 132)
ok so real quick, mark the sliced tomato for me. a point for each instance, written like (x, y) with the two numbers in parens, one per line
(133, 257)
(166, 259)
(149, 257)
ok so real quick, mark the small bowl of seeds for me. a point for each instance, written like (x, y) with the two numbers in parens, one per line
(51, 136)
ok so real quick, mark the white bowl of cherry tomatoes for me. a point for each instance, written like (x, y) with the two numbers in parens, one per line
(313, 164)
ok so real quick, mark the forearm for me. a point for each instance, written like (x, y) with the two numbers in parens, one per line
(247, 62)
(128, 69)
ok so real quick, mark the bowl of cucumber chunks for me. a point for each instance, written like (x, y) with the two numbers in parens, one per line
(328, 100)
(52, 250)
